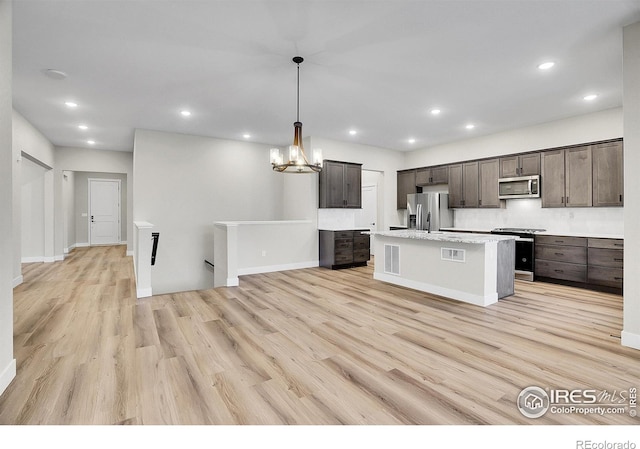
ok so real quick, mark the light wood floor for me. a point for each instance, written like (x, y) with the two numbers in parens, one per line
(309, 346)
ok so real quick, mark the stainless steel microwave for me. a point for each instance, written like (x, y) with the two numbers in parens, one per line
(519, 187)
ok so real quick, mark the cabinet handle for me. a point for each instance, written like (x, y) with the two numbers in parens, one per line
(479, 202)
(562, 200)
(559, 271)
(618, 260)
(567, 200)
(559, 254)
(618, 244)
(617, 278)
(559, 241)
(621, 198)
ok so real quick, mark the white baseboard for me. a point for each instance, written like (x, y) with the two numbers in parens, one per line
(7, 375)
(470, 298)
(32, 259)
(81, 245)
(232, 282)
(17, 281)
(58, 258)
(144, 292)
(130, 252)
(283, 267)
(630, 340)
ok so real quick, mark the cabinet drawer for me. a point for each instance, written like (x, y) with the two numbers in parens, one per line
(561, 270)
(560, 240)
(361, 255)
(611, 277)
(605, 257)
(343, 244)
(569, 254)
(342, 235)
(606, 243)
(361, 243)
(342, 257)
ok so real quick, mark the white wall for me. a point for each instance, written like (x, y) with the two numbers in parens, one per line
(7, 162)
(32, 211)
(183, 184)
(89, 160)
(28, 141)
(68, 205)
(631, 103)
(382, 160)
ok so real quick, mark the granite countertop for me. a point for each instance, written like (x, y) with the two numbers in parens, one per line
(343, 229)
(583, 234)
(452, 237)
(479, 231)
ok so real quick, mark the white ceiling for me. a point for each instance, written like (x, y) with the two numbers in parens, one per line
(374, 66)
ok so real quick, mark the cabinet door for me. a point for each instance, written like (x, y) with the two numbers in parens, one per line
(470, 184)
(488, 182)
(440, 175)
(455, 186)
(332, 188)
(578, 177)
(608, 174)
(509, 167)
(552, 178)
(529, 164)
(423, 176)
(406, 185)
(353, 186)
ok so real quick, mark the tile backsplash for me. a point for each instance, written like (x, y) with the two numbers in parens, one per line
(528, 213)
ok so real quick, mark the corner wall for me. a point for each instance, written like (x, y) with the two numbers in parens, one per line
(7, 362)
(631, 103)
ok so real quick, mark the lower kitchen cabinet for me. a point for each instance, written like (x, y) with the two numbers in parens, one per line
(586, 262)
(344, 249)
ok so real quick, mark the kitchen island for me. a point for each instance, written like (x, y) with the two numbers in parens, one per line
(473, 268)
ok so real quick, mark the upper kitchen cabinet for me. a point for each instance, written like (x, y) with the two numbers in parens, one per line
(567, 178)
(488, 171)
(608, 174)
(406, 185)
(432, 176)
(340, 185)
(463, 185)
(520, 165)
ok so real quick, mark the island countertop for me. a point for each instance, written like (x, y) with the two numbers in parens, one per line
(440, 236)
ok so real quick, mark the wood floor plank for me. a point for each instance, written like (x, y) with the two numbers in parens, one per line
(312, 346)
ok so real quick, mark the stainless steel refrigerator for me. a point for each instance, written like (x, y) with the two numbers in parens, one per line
(429, 211)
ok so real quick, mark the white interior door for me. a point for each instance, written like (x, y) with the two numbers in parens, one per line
(104, 211)
(367, 216)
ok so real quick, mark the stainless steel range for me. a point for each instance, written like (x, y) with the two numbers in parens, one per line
(525, 250)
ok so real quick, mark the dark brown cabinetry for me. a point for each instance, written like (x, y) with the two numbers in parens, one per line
(463, 185)
(605, 262)
(432, 176)
(567, 178)
(608, 174)
(406, 185)
(590, 262)
(520, 165)
(344, 249)
(488, 171)
(340, 185)
(562, 258)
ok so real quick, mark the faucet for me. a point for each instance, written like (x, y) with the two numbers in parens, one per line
(429, 222)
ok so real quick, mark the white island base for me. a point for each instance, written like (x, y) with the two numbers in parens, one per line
(473, 268)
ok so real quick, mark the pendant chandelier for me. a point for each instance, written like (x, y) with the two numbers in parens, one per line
(297, 162)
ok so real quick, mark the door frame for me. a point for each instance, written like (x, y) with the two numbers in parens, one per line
(89, 180)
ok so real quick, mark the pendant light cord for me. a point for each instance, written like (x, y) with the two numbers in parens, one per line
(298, 97)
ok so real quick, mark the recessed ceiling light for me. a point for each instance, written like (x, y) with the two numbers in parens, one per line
(470, 126)
(83, 127)
(246, 136)
(590, 97)
(91, 142)
(412, 140)
(353, 132)
(435, 111)
(546, 65)
(185, 113)
(71, 104)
